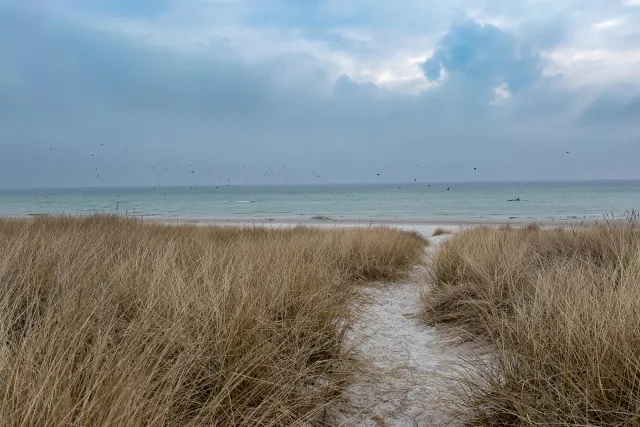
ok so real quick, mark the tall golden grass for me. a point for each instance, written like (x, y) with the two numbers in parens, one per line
(113, 322)
(561, 312)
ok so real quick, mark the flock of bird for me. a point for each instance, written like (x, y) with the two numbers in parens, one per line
(271, 170)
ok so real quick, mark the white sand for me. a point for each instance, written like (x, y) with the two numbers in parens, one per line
(401, 222)
(410, 361)
(424, 229)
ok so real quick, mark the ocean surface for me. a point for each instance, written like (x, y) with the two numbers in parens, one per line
(478, 202)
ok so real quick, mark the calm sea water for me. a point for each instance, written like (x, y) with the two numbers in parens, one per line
(411, 202)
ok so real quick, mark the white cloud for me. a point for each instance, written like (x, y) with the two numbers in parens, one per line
(597, 67)
(609, 23)
(360, 35)
(501, 96)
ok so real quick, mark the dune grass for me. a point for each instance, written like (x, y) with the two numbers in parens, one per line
(113, 322)
(560, 310)
(439, 231)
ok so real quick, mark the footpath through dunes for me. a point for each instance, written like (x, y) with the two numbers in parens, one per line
(409, 362)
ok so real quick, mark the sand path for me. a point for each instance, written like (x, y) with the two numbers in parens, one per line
(409, 361)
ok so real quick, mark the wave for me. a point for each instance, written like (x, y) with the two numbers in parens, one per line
(236, 201)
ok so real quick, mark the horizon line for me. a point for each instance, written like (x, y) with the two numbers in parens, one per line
(319, 184)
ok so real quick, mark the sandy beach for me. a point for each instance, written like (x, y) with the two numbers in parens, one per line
(425, 223)
(425, 229)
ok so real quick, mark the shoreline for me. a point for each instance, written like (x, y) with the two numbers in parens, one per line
(353, 221)
(450, 222)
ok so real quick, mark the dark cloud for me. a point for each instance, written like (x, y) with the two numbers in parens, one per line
(545, 34)
(62, 68)
(617, 107)
(485, 55)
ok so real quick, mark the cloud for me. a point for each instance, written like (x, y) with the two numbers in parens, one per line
(485, 55)
(545, 33)
(170, 88)
(123, 8)
(616, 107)
(607, 24)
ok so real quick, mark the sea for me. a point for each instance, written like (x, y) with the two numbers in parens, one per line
(473, 202)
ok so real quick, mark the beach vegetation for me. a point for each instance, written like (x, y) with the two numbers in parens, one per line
(110, 321)
(558, 312)
(439, 231)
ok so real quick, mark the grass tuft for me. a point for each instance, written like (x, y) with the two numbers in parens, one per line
(559, 308)
(441, 231)
(107, 321)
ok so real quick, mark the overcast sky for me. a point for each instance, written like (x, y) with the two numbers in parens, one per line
(175, 92)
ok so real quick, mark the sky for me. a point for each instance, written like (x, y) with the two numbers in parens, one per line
(208, 92)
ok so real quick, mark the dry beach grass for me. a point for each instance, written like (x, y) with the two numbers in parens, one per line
(441, 232)
(560, 310)
(106, 321)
